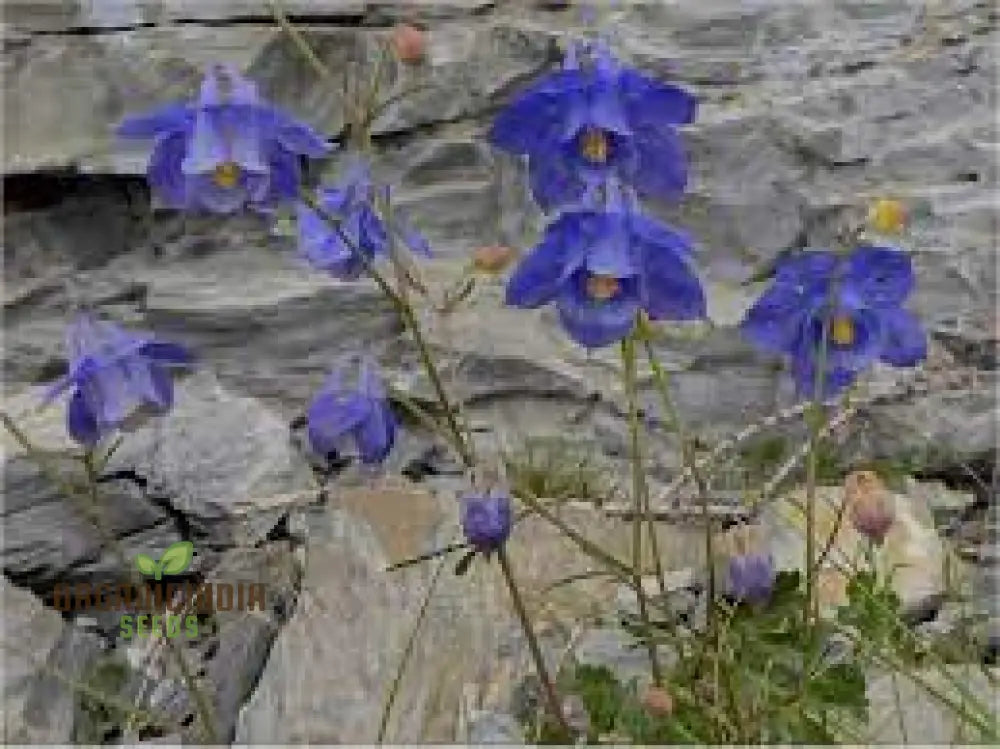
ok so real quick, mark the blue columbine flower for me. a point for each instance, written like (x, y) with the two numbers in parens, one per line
(486, 518)
(363, 234)
(751, 577)
(114, 375)
(360, 413)
(592, 120)
(602, 267)
(226, 150)
(853, 302)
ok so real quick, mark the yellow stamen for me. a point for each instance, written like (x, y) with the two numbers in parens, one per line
(594, 146)
(602, 288)
(226, 174)
(842, 331)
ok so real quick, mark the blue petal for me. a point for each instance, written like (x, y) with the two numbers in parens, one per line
(904, 342)
(540, 274)
(535, 118)
(669, 290)
(774, 320)
(592, 323)
(863, 351)
(882, 276)
(835, 380)
(166, 176)
(554, 183)
(331, 416)
(658, 166)
(167, 353)
(81, 422)
(205, 193)
(651, 102)
(284, 174)
(809, 268)
(376, 435)
(298, 137)
(609, 244)
(163, 120)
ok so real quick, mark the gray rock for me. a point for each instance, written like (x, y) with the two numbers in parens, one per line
(35, 707)
(49, 538)
(218, 459)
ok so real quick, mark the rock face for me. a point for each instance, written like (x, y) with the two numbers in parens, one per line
(807, 108)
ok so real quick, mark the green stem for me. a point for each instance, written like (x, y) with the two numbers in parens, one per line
(408, 651)
(638, 491)
(688, 458)
(405, 311)
(548, 687)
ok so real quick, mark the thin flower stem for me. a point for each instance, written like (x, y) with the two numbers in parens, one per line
(410, 320)
(549, 688)
(661, 379)
(408, 651)
(300, 42)
(811, 602)
(638, 491)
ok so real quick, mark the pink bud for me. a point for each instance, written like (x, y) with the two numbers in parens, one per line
(658, 702)
(871, 506)
(409, 43)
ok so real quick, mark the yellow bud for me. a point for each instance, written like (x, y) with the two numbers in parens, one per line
(887, 216)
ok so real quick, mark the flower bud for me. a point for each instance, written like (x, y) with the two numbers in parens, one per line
(658, 702)
(751, 577)
(887, 216)
(409, 43)
(871, 507)
(486, 519)
(493, 258)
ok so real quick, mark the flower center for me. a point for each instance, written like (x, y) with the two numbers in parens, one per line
(594, 146)
(602, 288)
(226, 174)
(842, 331)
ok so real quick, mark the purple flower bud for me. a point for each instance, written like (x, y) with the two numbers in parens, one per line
(751, 577)
(486, 518)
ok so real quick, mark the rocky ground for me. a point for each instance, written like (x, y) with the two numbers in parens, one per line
(807, 107)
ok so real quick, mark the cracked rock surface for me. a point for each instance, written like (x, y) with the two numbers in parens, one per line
(806, 107)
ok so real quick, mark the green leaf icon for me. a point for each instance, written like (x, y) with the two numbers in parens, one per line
(146, 565)
(176, 558)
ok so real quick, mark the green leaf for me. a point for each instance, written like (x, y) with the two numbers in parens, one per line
(177, 558)
(147, 565)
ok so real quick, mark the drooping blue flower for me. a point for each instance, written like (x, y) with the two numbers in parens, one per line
(593, 119)
(486, 518)
(852, 304)
(751, 577)
(360, 414)
(114, 375)
(226, 150)
(362, 235)
(601, 267)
